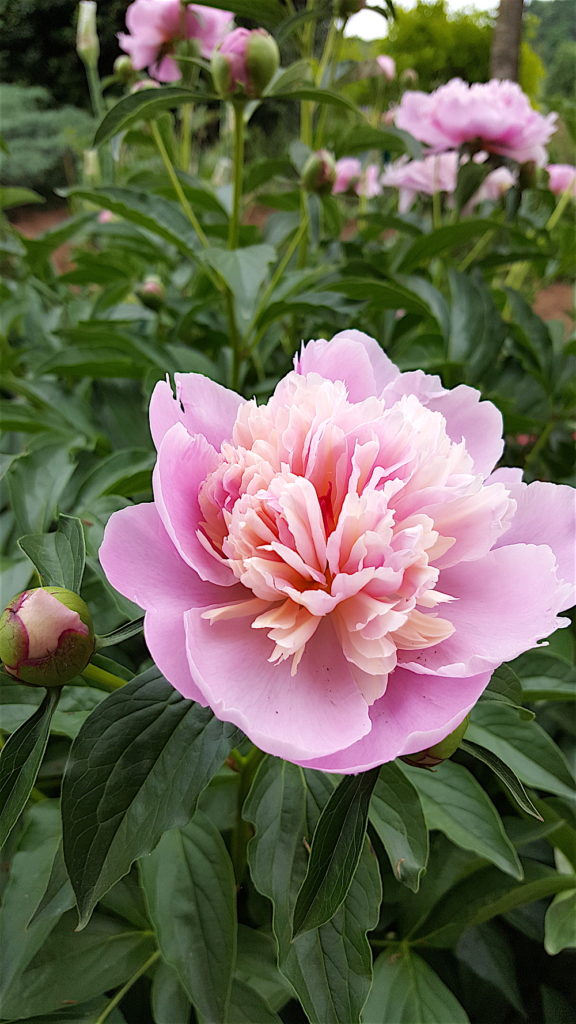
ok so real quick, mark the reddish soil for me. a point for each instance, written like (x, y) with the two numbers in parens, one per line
(32, 221)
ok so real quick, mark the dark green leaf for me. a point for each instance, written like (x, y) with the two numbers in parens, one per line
(169, 1000)
(364, 137)
(20, 761)
(505, 774)
(311, 92)
(264, 12)
(336, 848)
(117, 636)
(396, 815)
(407, 991)
(560, 923)
(485, 949)
(58, 896)
(143, 105)
(191, 895)
(59, 557)
(135, 770)
(437, 242)
(248, 1006)
(244, 271)
(546, 678)
(10, 197)
(36, 482)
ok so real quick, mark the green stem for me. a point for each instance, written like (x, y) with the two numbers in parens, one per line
(242, 830)
(328, 61)
(436, 210)
(95, 89)
(103, 680)
(177, 186)
(278, 274)
(238, 165)
(540, 443)
(186, 136)
(557, 213)
(477, 250)
(517, 274)
(126, 987)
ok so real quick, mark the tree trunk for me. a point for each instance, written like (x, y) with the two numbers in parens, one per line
(505, 53)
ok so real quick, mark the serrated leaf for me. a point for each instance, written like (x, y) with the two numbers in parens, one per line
(190, 892)
(456, 804)
(406, 990)
(136, 769)
(505, 774)
(20, 762)
(396, 815)
(336, 848)
(59, 557)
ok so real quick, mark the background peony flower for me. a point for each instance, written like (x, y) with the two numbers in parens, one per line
(427, 176)
(496, 115)
(370, 184)
(387, 66)
(561, 177)
(155, 26)
(348, 172)
(495, 185)
(339, 571)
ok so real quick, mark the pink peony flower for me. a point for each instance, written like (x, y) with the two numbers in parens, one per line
(494, 115)
(155, 26)
(495, 185)
(561, 177)
(370, 183)
(348, 173)
(339, 571)
(387, 66)
(427, 176)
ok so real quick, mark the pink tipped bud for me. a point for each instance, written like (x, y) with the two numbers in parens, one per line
(151, 292)
(46, 636)
(245, 63)
(440, 751)
(319, 173)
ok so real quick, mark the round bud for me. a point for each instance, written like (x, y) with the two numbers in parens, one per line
(245, 63)
(151, 292)
(124, 68)
(46, 636)
(440, 751)
(319, 173)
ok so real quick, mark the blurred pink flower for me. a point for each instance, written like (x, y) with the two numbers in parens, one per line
(370, 184)
(387, 66)
(494, 115)
(106, 217)
(561, 177)
(155, 26)
(495, 185)
(427, 176)
(348, 172)
(339, 571)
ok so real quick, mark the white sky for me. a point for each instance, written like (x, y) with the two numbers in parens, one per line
(369, 25)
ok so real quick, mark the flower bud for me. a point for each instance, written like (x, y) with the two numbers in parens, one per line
(91, 167)
(87, 43)
(46, 636)
(245, 63)
(124, 69)
(319, 173)
(151, 292)
(440, 751)
(387, 66)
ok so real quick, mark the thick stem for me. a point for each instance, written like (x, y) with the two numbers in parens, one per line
(101, 679)
(238, 168)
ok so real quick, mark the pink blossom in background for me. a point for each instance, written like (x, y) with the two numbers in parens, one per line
(427, 176)
(370, 183)
(339, 571)
(155, 26)
(561, 177)
(106, 217)
(387, 66)
(495, 185)
(348, 173)
(495, 115)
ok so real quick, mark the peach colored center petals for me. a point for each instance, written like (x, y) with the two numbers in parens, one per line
(324, 507)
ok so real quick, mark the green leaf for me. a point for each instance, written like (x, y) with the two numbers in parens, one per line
(264, 12)
(560, 923)
(529, 751)
(59, 557)
(387, 294)
(407, 991)
(20, 762)
(190, 891)
(335, 99)
(484, 895)
(247, 1006)
(456, 804)
(396, 816)
(437, 242)
(244, 271)
(10, 197)
(546, 678)
(505, 774)
(117, 636)
(364, 137)
(136, 769)
(485, 949)
(35, 483)
(169, 1000)
(143, 105)
(58, 896)
(336, 848)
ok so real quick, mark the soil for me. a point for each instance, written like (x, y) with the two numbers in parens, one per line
(556, 302)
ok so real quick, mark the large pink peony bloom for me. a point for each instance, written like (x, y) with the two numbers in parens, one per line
(337, 571)
(497, 116)
(155, 26)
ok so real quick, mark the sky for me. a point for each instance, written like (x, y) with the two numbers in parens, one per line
(369, 25)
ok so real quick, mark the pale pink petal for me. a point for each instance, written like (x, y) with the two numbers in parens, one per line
(506, 603)
(415, 713)
(546, 514)
(166, 70)
(166, 640)
(184, 462)
(316, 711)
(202, 405)
(352, 357)
(478, 423)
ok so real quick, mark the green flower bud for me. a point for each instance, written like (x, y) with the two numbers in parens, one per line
(124, 69)
(87, 43)
(440, 751)
(46, 636)
(319, 172)
(151, 292)
(245, 63)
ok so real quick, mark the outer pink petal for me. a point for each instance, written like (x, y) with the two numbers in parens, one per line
(507, 602)
(203, 406)
(478, 423)
(166, 70)
(546, 514)
(352, 357)
(166, 639)
(415, 713)
(142, 563)
(184, 461)
(315, 712)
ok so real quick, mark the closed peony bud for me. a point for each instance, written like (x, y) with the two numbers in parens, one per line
(87, 44)
(151, 292)
(124, 69)
(319, 173)
(46, 636)
(245, 63)
(440, 751)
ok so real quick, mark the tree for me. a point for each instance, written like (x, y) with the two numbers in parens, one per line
(506, 41)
